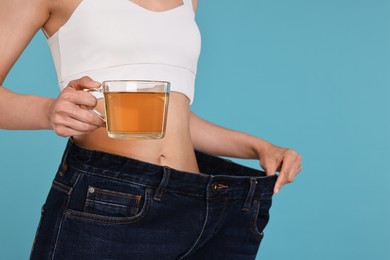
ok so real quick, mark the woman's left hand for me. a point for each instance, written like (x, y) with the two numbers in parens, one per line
(278, 159)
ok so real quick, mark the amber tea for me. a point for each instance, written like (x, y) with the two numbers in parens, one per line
(136, 114)
(134, 108)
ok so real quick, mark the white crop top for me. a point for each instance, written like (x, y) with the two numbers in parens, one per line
(118, 39)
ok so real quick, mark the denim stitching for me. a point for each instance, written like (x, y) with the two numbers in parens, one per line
(148, 186)
(251, 192)
(38, 230)
(108, 203)
(62, 217)
(204, 224)
(254, 228)
(89, 203)
(163, 184)
(115, 193)
(222, 215)
(109, 177)
(61, 187)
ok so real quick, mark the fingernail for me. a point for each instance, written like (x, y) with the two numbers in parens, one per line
(276, 191)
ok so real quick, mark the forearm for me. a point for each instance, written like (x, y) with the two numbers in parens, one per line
(18, 111)
(213, 139)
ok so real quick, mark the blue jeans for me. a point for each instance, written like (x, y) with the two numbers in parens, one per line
(104, 206)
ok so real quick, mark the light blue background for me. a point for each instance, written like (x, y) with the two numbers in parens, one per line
(308, 74)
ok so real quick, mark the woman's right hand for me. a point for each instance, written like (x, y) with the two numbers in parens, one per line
(69, 114)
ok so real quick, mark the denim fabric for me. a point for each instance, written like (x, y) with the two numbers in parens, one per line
(104, 206)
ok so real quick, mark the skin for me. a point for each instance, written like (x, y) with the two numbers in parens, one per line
(67, 116)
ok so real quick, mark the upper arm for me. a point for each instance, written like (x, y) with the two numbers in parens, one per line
(19, 22)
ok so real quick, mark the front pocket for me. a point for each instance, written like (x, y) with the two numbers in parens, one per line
(109, 216)
(111, 203)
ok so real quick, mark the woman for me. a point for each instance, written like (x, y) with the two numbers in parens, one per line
(136, 199)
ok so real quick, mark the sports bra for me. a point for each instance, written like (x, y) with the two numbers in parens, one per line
(118, 39)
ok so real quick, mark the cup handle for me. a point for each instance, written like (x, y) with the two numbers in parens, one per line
(97, 113)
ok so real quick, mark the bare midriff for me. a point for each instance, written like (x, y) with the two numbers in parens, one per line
(174, 150)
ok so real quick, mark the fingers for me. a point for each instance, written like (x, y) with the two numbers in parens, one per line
(82, 115)
(291, 165)
(70, 119)
(71, 130)
(83, 83)
(270, 169)
(70, 114)
(80, 98)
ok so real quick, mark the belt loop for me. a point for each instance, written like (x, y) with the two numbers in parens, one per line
(64, 165)
(249, 197)
(163, 184)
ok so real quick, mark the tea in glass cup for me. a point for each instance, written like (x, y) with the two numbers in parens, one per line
(135, 108)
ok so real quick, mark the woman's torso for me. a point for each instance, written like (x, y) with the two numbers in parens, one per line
(175, 149)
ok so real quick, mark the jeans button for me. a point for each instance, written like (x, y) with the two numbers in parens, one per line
(218, 186)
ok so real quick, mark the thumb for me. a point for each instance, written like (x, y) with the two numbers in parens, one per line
(83, 83)
(270, 170)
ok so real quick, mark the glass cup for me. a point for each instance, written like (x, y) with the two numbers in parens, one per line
(134, 108)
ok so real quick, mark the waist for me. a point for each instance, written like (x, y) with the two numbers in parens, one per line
(223, 177)
(175, 150)
(177, 154)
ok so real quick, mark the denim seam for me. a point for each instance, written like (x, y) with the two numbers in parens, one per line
(115, 193)
(254, 229)
(204, 224)
(163, 184)
(148, 186)
(61, 187)
(106, 203)
(66, 203)
(249, 198)
(127, 208)
(38, 230)
(260, 179)
(109, 177)
(222, 215)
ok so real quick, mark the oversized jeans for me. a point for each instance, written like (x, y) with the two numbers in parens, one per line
(105, 206)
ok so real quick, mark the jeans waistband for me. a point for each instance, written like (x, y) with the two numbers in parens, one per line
(218, 177)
